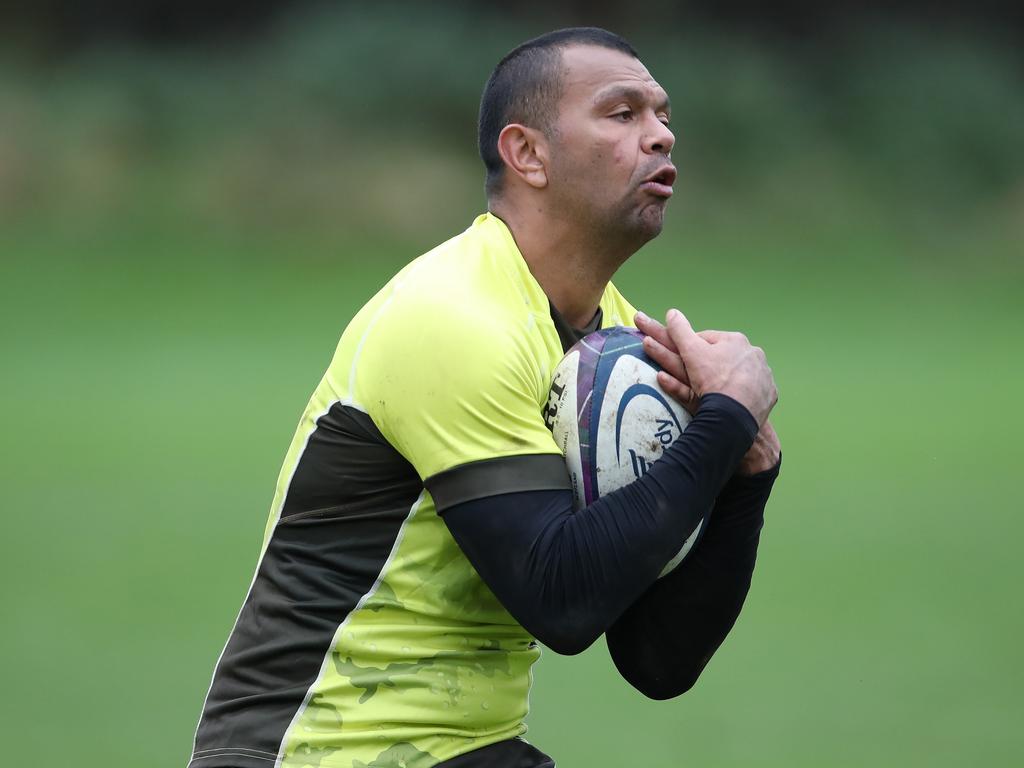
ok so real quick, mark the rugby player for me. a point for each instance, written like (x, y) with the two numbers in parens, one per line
(422, 538)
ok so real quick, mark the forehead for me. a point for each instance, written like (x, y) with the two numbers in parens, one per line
(589, 70)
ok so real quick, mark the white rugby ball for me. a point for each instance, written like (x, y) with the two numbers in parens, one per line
(611, 418)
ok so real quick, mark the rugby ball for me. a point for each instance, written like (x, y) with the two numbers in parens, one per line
(611, 418)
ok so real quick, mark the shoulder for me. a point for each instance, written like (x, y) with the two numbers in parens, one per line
(467, 278)
(450, 329)
(470, 298)
(448, 382)
(449, 305)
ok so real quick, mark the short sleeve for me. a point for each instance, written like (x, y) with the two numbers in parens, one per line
(460, 395)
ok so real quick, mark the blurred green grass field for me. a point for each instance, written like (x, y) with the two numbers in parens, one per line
(152, 389)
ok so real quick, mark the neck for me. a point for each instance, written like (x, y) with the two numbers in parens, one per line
(572, 268)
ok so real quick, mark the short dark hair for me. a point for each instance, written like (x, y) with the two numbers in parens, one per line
(526, 86)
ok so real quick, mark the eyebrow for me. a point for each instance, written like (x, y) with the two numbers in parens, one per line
(630, 93)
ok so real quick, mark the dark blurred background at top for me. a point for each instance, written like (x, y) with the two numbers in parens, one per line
(55, 26)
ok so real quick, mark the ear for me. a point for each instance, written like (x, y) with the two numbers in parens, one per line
(524, 151)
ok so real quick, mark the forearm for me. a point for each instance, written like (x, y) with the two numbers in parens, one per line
(664, 640)
(567, 576)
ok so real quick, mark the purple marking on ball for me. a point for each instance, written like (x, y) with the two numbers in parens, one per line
(591, 349)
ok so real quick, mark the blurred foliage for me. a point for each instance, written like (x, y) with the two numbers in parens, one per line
(344, 119)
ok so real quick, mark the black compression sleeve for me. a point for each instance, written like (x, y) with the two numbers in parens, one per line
(567, 576)
(663, 641)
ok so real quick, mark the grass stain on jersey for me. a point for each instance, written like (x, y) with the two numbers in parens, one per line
(448, 663)
(383, 597)
(324, 715)
(307, 755)
(323, 712)
(472, 593)
(400, 755)
(371, 678)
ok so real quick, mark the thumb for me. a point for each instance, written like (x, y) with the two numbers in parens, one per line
(681, 332)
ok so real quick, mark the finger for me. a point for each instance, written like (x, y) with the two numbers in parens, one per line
(654, 329)
(713, 337)
(666, 358)
(676, 389)
(681, 332)
(717, 337)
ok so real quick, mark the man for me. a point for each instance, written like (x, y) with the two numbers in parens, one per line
(422, 536)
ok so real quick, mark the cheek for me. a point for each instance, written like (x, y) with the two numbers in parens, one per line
(621, 157)
(608, 155)
(617, 157)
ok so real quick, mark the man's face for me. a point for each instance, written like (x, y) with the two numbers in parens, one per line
(609, 166)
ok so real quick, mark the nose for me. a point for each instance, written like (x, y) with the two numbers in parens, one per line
(659, 138)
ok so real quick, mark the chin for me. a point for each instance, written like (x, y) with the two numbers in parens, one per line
(650, 222)
(630, 229)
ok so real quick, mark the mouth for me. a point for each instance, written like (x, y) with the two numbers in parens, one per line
(660, 182)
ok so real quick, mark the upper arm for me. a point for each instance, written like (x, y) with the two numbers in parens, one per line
(453, 387)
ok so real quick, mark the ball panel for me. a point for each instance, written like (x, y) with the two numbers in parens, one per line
(561, 416)
(611, 343)
(610, 417)
(637, 423)
(591, 352)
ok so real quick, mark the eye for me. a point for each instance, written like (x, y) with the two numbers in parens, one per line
(624, 115)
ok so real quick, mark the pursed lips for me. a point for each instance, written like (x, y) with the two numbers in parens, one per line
(660, 182)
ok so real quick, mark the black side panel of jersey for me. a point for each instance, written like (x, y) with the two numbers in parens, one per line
(349, 468)
(347, 500)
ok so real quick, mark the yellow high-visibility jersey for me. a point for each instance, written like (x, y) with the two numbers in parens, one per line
(367, 638)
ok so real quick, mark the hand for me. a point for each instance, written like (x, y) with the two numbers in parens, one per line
(712, 361)
(763, 454)
(658, 346)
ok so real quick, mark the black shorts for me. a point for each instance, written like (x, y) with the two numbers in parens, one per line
(514, 753)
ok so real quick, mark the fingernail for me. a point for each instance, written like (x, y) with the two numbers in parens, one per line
(641, 316)
(672, 313)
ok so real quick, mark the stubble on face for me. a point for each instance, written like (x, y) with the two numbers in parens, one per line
(597, 163)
